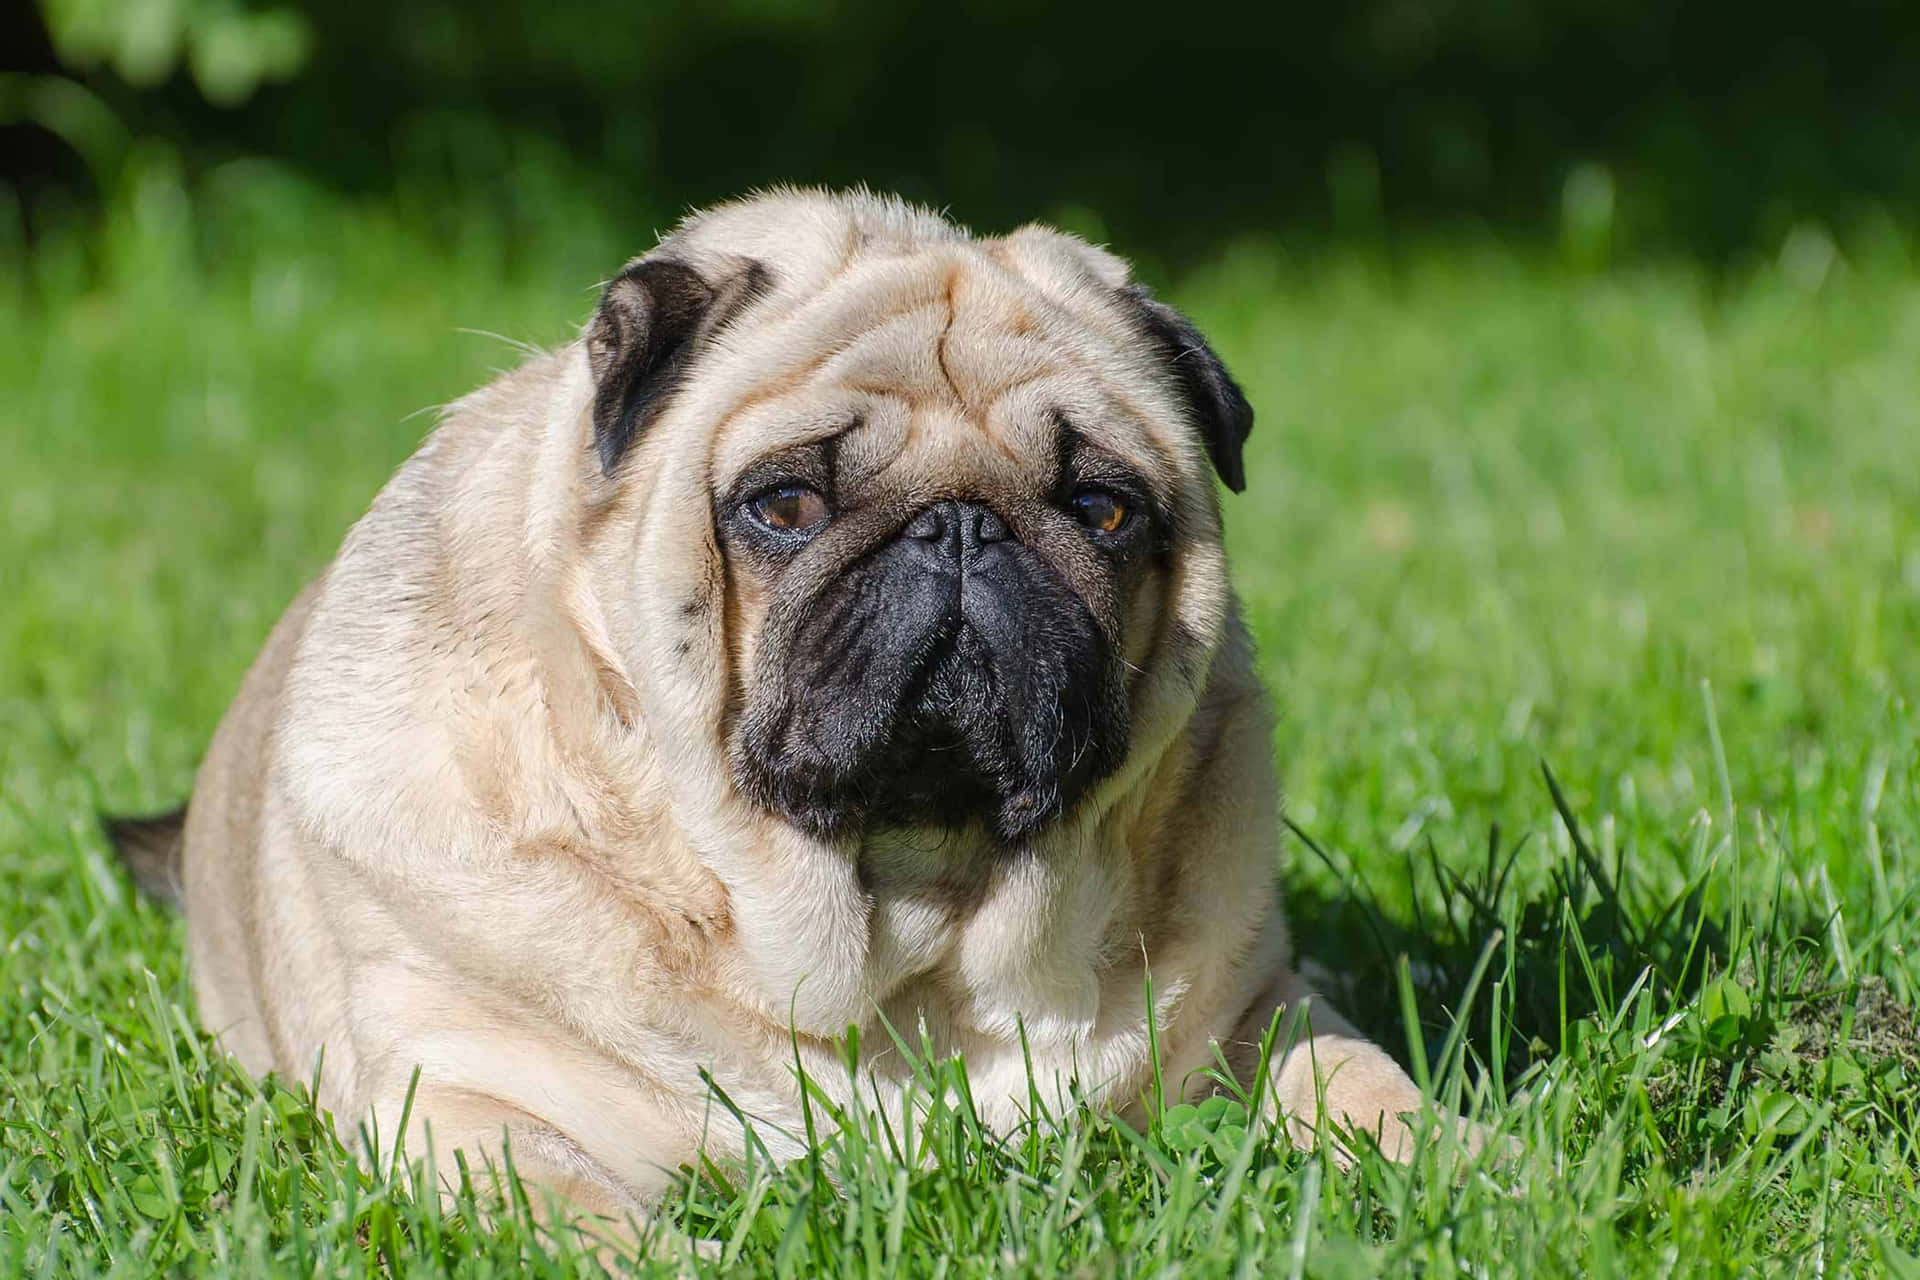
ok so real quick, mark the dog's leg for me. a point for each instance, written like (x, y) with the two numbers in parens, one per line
(566, 1188)
(1320, 1064)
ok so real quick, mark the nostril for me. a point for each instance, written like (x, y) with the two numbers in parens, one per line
(928, 526)
(967, 524)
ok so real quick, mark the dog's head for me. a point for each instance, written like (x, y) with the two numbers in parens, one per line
(929, 513)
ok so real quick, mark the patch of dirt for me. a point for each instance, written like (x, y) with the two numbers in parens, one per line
(1873, 1028)
(1881, 1027)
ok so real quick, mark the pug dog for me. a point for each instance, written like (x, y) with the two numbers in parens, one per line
(835, 639)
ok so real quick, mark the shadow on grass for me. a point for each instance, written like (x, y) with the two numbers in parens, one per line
(1572, 953)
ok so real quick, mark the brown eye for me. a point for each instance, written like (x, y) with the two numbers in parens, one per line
(791, 506)
(1100, 510)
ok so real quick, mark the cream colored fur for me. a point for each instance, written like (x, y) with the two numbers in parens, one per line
(471, 812)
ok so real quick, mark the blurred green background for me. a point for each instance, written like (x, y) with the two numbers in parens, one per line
(1619, 126)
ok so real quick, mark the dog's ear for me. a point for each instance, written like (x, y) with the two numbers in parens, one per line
(1220, 411)
(653, 318)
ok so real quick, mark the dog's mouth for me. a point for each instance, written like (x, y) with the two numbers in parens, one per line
(968, 734)
(943, 764)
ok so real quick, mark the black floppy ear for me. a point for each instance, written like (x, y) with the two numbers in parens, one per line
(653, 318)
(1220, 411)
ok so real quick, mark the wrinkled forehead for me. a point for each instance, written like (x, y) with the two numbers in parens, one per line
(943, 360)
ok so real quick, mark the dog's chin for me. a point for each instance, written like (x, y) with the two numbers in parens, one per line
(933, 784)
(928, 782)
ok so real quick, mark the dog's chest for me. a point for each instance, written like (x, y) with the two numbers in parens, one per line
(973, 941)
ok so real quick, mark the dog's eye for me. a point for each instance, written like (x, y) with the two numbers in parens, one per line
(790, 507)
(1101, 510)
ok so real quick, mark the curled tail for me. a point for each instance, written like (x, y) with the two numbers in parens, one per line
(151, 848)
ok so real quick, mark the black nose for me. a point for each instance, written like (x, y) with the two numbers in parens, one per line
(959, 529)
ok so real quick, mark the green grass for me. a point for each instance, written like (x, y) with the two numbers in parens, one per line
(1655, 530)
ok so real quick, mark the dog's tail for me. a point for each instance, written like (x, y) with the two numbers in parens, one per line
(151, 849)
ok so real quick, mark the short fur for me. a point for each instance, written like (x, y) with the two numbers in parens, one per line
(511, 794)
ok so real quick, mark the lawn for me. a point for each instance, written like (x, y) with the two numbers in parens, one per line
(1591, 601)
